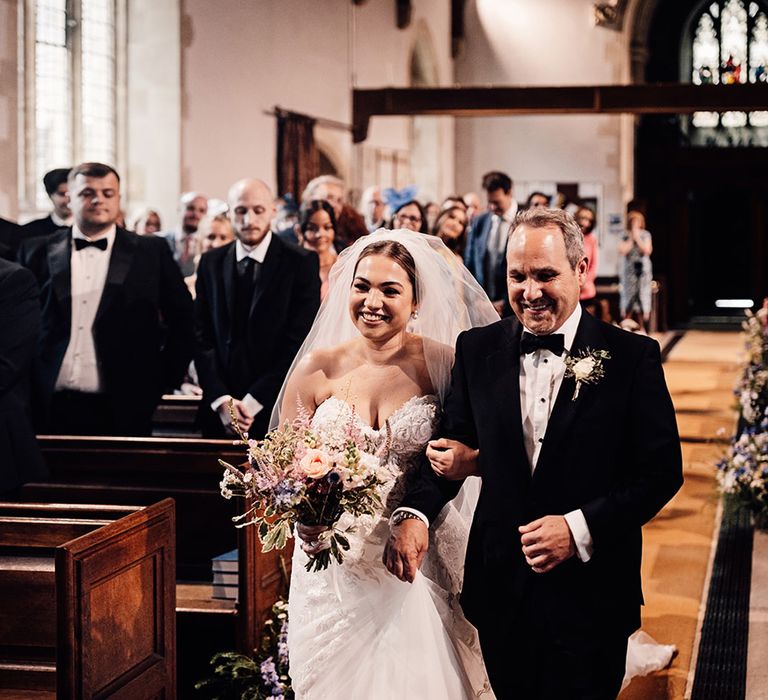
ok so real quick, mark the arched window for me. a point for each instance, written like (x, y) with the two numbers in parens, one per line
(71, 92)
(728, 45)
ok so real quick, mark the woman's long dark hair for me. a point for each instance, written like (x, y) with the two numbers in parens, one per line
(310, 208)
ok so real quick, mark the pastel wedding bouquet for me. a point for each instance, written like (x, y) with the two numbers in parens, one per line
(313, 476)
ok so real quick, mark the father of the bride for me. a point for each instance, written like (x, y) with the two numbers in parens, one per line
(578, 448)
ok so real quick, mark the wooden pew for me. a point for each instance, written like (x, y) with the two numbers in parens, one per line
(143, 470)
(87, 601)
(176, 416)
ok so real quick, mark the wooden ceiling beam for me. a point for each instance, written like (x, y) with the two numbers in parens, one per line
(659, 98)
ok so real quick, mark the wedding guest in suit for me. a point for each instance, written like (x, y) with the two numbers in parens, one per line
(410, 215)
(20, 320)
(574, 458)
(585, 218)
(57, 189)
(117, 318)
(193, 206)
(256, 299)
(145, 221)
(350, 225)
(487, 239)
(10, 234)
(316, 231)
(374, 208)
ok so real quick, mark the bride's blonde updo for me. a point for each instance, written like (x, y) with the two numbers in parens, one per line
(395, 251)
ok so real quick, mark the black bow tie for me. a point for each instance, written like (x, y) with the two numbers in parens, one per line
(529, 342)
(81, 243)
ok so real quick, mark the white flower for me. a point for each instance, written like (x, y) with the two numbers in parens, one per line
(368, 463)
(583, 368)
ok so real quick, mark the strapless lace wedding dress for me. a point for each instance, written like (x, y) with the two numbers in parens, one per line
(356, 631)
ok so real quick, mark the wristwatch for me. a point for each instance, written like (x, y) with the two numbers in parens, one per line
(401, 515)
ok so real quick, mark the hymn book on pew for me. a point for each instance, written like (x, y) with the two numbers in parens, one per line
(225, 584)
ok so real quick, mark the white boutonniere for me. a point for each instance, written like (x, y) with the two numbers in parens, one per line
(586, 368)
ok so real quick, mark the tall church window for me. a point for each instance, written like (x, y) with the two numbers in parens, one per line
(729, 45)
(71, 87)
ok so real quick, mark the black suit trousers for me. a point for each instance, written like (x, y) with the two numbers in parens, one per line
(536, 657)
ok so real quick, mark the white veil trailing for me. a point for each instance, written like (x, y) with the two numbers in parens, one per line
(449, 301)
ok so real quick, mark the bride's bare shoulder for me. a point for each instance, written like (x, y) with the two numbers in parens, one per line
(325, 361)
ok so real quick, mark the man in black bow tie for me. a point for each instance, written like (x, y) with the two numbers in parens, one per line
(117, 316)
(570, 470)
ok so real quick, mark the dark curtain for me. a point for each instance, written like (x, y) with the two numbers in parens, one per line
(297, 156)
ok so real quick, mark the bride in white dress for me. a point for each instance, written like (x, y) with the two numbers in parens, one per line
(379, 356)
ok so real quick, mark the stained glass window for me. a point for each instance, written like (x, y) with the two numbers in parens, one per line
(73, 88)
(729, 46)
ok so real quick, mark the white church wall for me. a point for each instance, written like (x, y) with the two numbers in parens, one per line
(153, 117)
(548, 43)
(240, 60)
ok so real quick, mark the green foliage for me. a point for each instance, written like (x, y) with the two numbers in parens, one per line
(264, 677)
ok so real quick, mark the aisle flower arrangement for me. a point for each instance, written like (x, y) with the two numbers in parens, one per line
(302, 474)
(261, 677)
(743, 471)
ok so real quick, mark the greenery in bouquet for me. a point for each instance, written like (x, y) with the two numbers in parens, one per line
(313, 476)
(743, 472)
(261, 677)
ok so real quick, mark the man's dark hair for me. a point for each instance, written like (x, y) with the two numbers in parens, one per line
(496, 180)
(92, 170)
(53, 178)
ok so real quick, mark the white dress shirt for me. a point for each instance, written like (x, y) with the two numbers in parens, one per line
(541, 374)
(61, 223)
(258, 253)
(88, 268)
(500, 225)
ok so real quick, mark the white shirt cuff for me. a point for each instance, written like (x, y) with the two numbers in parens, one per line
(252, 405)
(581, 535)
(421, 515)
(222, 399)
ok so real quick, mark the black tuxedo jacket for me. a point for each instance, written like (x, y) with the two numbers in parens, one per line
(10, 233)
(144, 324)
(614, 453)
(20, 458)
(285, 300)
(39, 227)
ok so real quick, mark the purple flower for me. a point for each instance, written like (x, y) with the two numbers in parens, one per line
(269, 673)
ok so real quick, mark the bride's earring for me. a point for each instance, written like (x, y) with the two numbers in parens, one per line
(415, 315)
